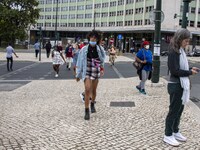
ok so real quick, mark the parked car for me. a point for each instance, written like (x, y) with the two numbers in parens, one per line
(197, 52)
(194, 52)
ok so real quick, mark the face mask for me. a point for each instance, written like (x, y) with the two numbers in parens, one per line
(147, 46)
(92, 43)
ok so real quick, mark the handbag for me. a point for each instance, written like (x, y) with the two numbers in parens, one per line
(139, 65)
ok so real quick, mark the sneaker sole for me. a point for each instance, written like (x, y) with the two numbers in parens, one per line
(82, 98)
(170, 144)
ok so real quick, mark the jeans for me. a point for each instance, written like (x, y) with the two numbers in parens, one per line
(36, 53)
(11, 63)
(175, 108)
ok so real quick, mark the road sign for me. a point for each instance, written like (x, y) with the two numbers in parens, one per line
(119, 36)
(152, 16)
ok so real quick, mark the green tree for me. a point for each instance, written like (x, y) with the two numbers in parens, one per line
(15, 17)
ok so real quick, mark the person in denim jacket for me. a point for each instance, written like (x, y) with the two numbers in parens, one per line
(90, 67)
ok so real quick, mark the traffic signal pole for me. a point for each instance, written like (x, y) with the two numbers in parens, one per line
(157, 41)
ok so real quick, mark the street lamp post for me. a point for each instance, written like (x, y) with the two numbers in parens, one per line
(94, 24)
(40, 30)
(157, 41)
(56, 36)
(185, 13)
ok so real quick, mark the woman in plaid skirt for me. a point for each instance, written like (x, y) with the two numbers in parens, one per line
(90, 67)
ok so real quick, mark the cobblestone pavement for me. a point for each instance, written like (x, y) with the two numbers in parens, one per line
(48, 115)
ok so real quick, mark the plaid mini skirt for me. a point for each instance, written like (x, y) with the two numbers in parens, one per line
(93, 69)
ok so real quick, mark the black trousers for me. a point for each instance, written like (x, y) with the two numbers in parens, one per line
(36, 53)
(175, 108)
(48, 52)
(9, 63)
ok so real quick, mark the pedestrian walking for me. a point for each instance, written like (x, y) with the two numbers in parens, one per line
(9, 57)
(144, 56)
(37, 48)
(59, 47)
(57, 60)
(68, 53)
(178, 85)
(90, 66)
(48, 49)
(75, 53)
(112, 55)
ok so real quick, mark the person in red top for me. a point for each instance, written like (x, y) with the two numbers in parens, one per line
(69, 55)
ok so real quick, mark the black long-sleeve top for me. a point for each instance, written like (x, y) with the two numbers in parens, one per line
(174, 67)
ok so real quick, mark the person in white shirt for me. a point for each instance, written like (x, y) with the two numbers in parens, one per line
(9, 52)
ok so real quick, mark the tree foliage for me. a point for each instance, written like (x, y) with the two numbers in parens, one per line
(15, 17)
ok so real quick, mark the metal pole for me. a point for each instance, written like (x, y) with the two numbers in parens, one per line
(56, 36)
(40, 43)
(94, 24)
(185, 13)
(157, 41)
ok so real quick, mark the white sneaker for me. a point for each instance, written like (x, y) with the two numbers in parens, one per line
(82, 97)
(56, 75)
(171, 140)
(180, 137)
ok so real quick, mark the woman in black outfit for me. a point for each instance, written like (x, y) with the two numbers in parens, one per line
(178, 85)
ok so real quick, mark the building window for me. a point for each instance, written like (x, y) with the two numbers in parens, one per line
(105, 5)
(105, 14)
(97, 24)
(41, 2)
(129, 1)
(63, 24)
(63, 16)
(138, 22)
(139, 10)
(79, 24)
(80, 7)
(72, 16)
(111, 24)
(80, 16)
(80, 0)
(54, 17)
(64, 8)
(48, 9)
(88, 15)
(191, 23)
(54, 9)
(64, 1)
(89, 6)
(112, 14)
(129, 23)
(72, 0)
(139, 0)
(88, 24)
(193, 10)
(97, 15)
(147, 22)
(112, 4)
(104, 24)
(97, 5)
(72, 7)
(129, 11)
(47, 16)
(198, 24)
(71, 25)
(120, 23)
(120, 2)
(48, 1)
(120, 13)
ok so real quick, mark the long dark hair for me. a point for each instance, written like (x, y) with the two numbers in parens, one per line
(177, 39)
(96, 34)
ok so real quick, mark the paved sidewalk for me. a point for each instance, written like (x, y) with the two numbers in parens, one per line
(48, 115)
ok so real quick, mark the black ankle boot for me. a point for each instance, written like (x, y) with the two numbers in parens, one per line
(87, 114)
(93, 110)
